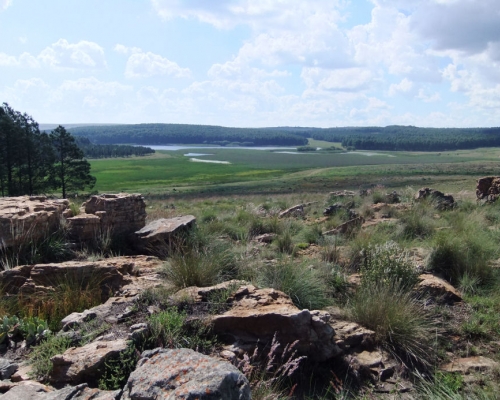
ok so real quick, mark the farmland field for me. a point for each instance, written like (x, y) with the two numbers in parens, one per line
(274, 171)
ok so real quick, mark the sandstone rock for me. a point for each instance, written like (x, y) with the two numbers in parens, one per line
(124, 213)
(28, 217)
(22, 374)
(442, 201)
(80, 364)
(197, 294)
(369, 359)
(161, 231)
(470, 365)
(346, 226)
(342, 193)
(7, 368)
(351, 334)
(76, 319)
(438, 288)
(294, 211)
(258, 314)
(184, 374)
(488, 188)
(110, 274)
(265, 237)
(84, 227)
(27, 390)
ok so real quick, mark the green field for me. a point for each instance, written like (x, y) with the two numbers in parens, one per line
(266, 171)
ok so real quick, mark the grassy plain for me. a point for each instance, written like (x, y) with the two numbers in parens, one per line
(272, 172)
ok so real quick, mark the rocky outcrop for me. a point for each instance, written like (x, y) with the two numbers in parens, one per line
(31, 390)
(441, 201)
(488, 188)
(257, 315)
(438, 289)
(470, 364)
(342, 193)
(110, 274)
(29, 217)
(81, 364)
(184, 374)
(295, 211)
(161, 231)
(117, 214)
(346, 227)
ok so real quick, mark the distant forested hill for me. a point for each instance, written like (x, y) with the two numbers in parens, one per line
(396, 137)
(410, 138)
(157, 134)
(91, 150)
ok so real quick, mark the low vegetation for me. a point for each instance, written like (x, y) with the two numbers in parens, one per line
(368, 276)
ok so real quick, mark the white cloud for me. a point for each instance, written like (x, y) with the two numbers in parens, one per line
(225, 14)
(404, 86)
(25, 60)
(146, 64)
(4, 4)
(122, 49)
(81, 55)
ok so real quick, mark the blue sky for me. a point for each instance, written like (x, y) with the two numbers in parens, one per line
(253, 62)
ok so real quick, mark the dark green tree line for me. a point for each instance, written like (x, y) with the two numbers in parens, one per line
(33, 162)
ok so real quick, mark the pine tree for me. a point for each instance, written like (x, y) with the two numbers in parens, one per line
(71, 170)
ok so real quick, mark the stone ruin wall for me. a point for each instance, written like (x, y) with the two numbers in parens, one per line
(34, 217)
(29, 218)
(117, 214)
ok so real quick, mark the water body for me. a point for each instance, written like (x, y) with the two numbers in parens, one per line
(209, 161)
(197, 154)
(368, 154)
(187, 147)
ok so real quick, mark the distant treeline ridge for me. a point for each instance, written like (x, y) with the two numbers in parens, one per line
(92, 150)
(396, 137)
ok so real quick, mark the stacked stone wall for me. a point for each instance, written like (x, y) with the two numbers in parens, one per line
(29, 218)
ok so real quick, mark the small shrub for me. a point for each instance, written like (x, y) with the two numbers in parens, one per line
(72, 293)
(302, 283)
(386, 264)
(456, 253)
(417, 222)
(284, 242)
(167, 328)
(40, 357)
(200, 265)
(401, 323)
(312, 234)
(117, 370)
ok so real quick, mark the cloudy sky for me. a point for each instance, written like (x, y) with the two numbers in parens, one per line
(253, 62)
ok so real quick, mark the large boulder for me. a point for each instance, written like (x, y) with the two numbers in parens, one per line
(161, 231)
(29, 217)
(257, 315)
(184, 374)
(441, 201)
(81, 364)
(488, 188)
(438, 289)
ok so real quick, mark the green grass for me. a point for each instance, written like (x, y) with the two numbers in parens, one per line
(265, 171)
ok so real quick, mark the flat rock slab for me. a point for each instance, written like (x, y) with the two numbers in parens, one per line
(470, 364)
(80, 364)
(111, 274)
(161, 230)
(184, 374)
